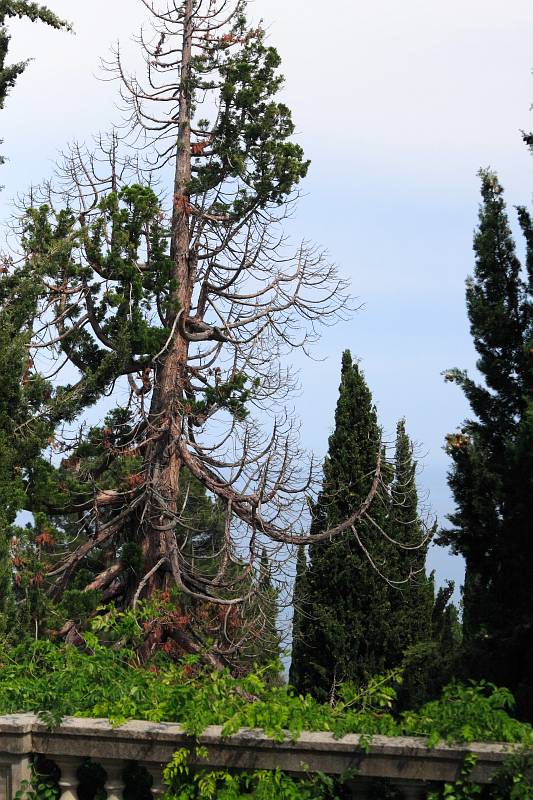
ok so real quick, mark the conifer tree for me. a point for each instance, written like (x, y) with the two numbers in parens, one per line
(16, 403)
(413, 608)
(268, 636)
(299, 613)
(345, 632)
(433, 662)
(12, 353)
(357, 609)
(492, 476)
(181, 310)
(12, 350)
(23, 435)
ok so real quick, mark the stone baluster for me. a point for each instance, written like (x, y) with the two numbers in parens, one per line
(5, 782)
(68, 782)
(156, 773)
(114, 785)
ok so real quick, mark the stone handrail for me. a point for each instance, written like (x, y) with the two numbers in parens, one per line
(405, 762)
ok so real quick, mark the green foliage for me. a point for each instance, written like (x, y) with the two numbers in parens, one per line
(200, 784)
(432, 663)
(249, 143)
(78, 605)
(39, 787)
(61, 247)
(24, 433)
(187, 780)
(492, 473)
(104, 681)
(468, 713)
(350, 623)
(463, 788)
(511, 781)
(232, 395)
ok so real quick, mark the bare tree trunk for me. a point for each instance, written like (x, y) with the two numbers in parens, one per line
(162, 459)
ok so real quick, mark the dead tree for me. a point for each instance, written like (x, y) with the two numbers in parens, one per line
(184, 301)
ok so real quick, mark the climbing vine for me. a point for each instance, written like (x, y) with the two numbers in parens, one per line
(100, 680)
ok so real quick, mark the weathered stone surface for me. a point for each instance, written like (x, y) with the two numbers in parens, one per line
(14, 769)
(5, 782)
(406, 761)
(406, 758)
(16, 733)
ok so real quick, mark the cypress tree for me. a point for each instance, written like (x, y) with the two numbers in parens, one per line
(353, 617)
(346, 633)
(413, 608)
(492, 471)
(300, 610)
(267, 608)
(433, 662)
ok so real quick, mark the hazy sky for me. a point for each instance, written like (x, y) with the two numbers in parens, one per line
(398, 104)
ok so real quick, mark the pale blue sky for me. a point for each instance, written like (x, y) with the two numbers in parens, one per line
(397, 105)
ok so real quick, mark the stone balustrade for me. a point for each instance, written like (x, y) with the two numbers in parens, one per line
(403, 762)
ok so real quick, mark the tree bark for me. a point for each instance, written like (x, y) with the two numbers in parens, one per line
(162, 458)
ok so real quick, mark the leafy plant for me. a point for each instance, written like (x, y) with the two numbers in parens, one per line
(462, 789)
(103, 680)
(42, 785)
(467, 713)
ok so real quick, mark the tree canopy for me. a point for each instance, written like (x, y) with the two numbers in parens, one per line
(159, 281)
(361, 601)
(492, 476)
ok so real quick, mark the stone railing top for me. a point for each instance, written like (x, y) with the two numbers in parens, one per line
(404, 758)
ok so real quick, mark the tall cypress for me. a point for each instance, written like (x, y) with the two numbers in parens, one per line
(299, 613)
(433, 661)
(269, 645)
(492, 472)
(349, 623)
(413, 608)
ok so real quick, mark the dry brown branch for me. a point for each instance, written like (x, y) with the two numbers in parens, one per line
(239, 299)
